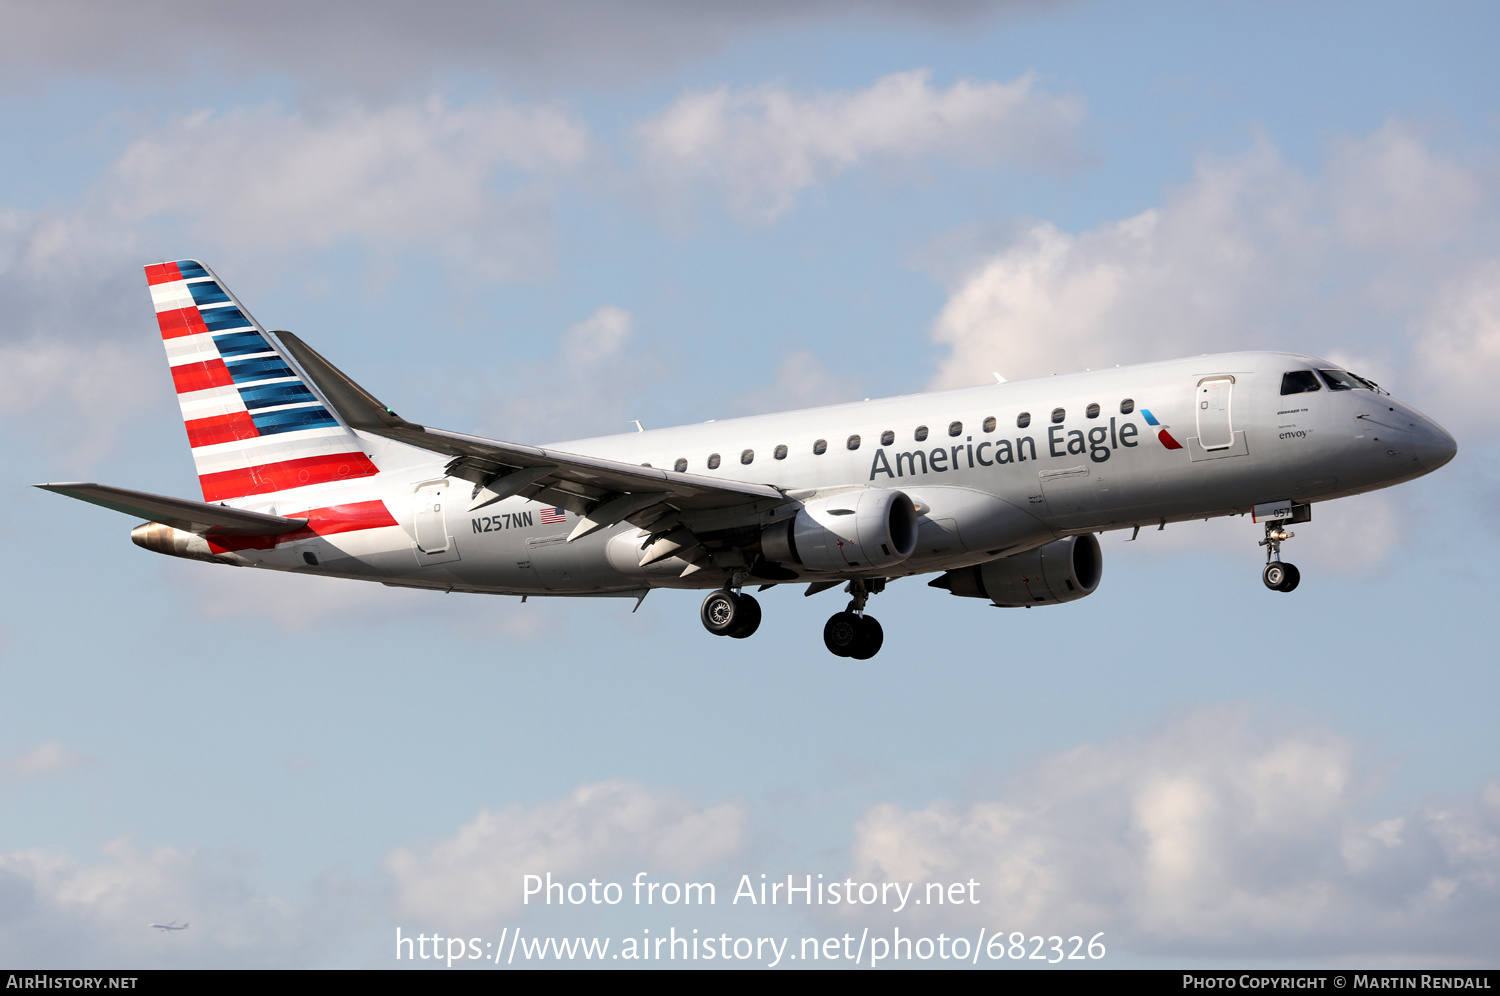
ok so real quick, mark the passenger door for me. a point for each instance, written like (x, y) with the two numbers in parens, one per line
(1215, 429)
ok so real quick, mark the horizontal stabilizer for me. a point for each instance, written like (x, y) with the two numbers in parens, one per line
(180, 513)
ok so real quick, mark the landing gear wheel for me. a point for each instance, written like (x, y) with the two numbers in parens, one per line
(871, 636)
(850, 635)
(841, 634)
(721, 612)
(748, 620)
(1281, 577)
(725, 613)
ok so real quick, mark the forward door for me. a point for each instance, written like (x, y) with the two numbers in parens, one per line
(1215, 428)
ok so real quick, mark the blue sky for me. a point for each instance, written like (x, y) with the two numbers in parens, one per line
(784, 207)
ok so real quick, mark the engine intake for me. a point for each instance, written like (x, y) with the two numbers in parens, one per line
(852, 530)
(1062, 571)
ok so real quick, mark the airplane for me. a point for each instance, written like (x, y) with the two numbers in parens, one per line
(999, 490)
(173, 925)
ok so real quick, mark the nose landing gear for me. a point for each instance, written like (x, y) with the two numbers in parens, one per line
(1278, 576)
(851, 633)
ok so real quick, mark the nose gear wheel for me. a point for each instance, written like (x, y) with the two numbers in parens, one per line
(1278, 576)
(1281, 577)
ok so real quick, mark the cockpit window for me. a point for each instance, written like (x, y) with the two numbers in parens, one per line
(1299, 382)
(1343, 380)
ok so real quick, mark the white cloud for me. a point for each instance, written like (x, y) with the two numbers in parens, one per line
(476, 875)
(1187, 277)
(1458, 339)
(597, 340)
(802, 380)
(59, 913)
(89, 390)
(1252, 253)
(44, 759)
(1211, 836)
(412, 174)
(764, 146)
(271, 186)
(586, 389)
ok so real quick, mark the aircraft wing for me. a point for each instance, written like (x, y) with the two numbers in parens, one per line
(180, 513)
(603, 491)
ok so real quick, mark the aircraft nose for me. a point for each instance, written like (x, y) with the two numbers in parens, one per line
(1435, 446)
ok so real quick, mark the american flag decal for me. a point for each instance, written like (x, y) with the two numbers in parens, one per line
(553, 515)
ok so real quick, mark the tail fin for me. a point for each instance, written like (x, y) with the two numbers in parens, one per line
(254, 424)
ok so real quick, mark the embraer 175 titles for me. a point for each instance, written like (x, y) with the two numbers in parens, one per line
(999, 489)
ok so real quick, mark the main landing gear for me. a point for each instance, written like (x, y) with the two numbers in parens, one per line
(730, 613)
(851, 633)
(1278, 576)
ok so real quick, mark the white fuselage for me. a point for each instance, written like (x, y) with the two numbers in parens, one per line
(984, 485)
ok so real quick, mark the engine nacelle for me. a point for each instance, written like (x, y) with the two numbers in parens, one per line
(1063, 571)
(851, 531)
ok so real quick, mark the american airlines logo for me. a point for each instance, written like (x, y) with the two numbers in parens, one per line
(1163, 435)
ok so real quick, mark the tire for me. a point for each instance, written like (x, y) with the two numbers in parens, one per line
(748, 619)
(841, 634)
(1275, 575)
(871, 636)
(721, 612)
(1293, 577)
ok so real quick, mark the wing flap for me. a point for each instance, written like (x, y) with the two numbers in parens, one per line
(180, 513)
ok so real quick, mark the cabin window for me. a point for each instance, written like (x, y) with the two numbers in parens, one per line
(680, 466)
(955, 428)
(1092, 411)
(780, 453)
(887, 438)
(713, 461)
(853, 443)
(1023, 420)
(820, 447)
(1299, 382)
(989, 424)
(1058, 414)
(1127, 406)
(920, 434)
(747, 457)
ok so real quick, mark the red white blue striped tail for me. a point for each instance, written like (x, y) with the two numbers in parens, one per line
(253, 423)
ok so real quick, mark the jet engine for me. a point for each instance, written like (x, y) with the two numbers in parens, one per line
(1062, 571)
(853, 530)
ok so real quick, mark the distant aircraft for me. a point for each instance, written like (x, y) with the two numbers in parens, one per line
(1001, 488)
(174, 925)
